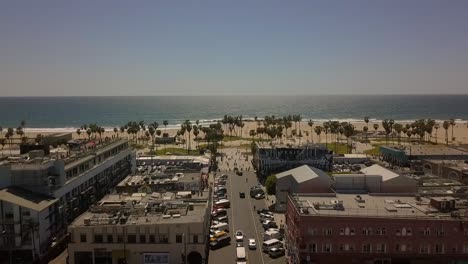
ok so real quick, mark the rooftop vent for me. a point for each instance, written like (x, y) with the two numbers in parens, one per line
(176, 216)
(166, 216)
(87, 221)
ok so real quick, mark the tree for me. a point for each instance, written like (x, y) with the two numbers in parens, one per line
(270, 184)
(165, 123)
(252, 133)
(348, 131)
(188, 127)
(88, 131)
(39, 138)
(446, 126)
(9, 136)
(122, 129)
(398, 129)
(23, 126)
(452, 124)
(311, 124)
(387, 125)
(3, 143)
(115, 131)
(376, 127)
(78, 132)
(318, 131)
(366, 120)
(436, 126)
(1, 131)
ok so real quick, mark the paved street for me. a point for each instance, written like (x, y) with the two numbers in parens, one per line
(242, 215)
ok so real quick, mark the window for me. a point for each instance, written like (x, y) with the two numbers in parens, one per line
(119, 239)
(110, 239)
(465, 248)
(142, 239)
(380, 248)
(439, 249)
(313, 248)
(327, 248)
(400, 248)
(83, 238)
(313, 231)
(425, 231)
(152, 239)
(465, 231)
(163, 239)
(346, 247)
(398, 232)
(352, 232)
(131, 239)
(98, 238)
(366, 231)
(327, 231)
(366, 248)
(195, 239)
(440, 232)
(424, 249)
(178, 238)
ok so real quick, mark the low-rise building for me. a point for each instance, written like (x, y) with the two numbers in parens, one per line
(350, 228)
(75, 178)
(273, 158)
(375, 179)
(303, 179)
(402, 155)
(143, 228)
(450, 169)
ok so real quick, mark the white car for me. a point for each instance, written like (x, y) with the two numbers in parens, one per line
(239, 235)
(252, 244)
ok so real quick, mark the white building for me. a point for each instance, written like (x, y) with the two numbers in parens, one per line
(303, 179)
(375, 179)
(72, 182)
(142, 228)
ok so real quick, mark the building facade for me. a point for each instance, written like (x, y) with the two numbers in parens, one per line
(75, 179)
(142, 228)
(269, 159)
(348, 228)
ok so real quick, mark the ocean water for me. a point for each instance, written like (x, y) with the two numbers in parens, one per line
(66, 113)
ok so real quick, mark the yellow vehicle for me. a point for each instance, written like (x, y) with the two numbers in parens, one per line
(217, 235)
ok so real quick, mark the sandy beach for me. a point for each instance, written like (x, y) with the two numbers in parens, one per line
(460, 132)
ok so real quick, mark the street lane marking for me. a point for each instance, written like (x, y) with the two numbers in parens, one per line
(255, 226)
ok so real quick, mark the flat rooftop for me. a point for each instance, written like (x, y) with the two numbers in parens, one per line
(146, 209)
(292, 145)
(201, 159)
(364, 205)
(25, 198)
(159, 178)
(421, 150)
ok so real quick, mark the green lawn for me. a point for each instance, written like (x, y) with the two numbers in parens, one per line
(176, 151)
(375, 150)
(341, 148)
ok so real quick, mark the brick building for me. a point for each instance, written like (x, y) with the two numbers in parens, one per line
(349, 228)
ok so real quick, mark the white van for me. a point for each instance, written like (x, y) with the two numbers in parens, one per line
(272, 243)
(241, 258)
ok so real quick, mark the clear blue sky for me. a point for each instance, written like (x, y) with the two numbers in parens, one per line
(226, 47)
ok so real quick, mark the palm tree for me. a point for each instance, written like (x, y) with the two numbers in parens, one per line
(446, 126)
(398, 129)
(188, 127)
(311, 124)
(387, 125)
(409, 133)
(348, 131)
(366, 120)
(326, 129)
(1, 130)
(3, 143)
(88, 131)
(78, 132)
(436, 126)
(376, 127)
(318, 131)
(196, 132)
(151, 131)
(365, 129)
(122, 130)
(115, 131)
(9, 136)
(452, 124)
(23, 126)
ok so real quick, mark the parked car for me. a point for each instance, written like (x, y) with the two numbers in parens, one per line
(276, 252)
(223, 203)
(259, 196)
(252, 244)
(263, 210)
(241, 194)
(220, 242)
(239, 173)
(269, 224)
(218, 212)
(222, 219)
